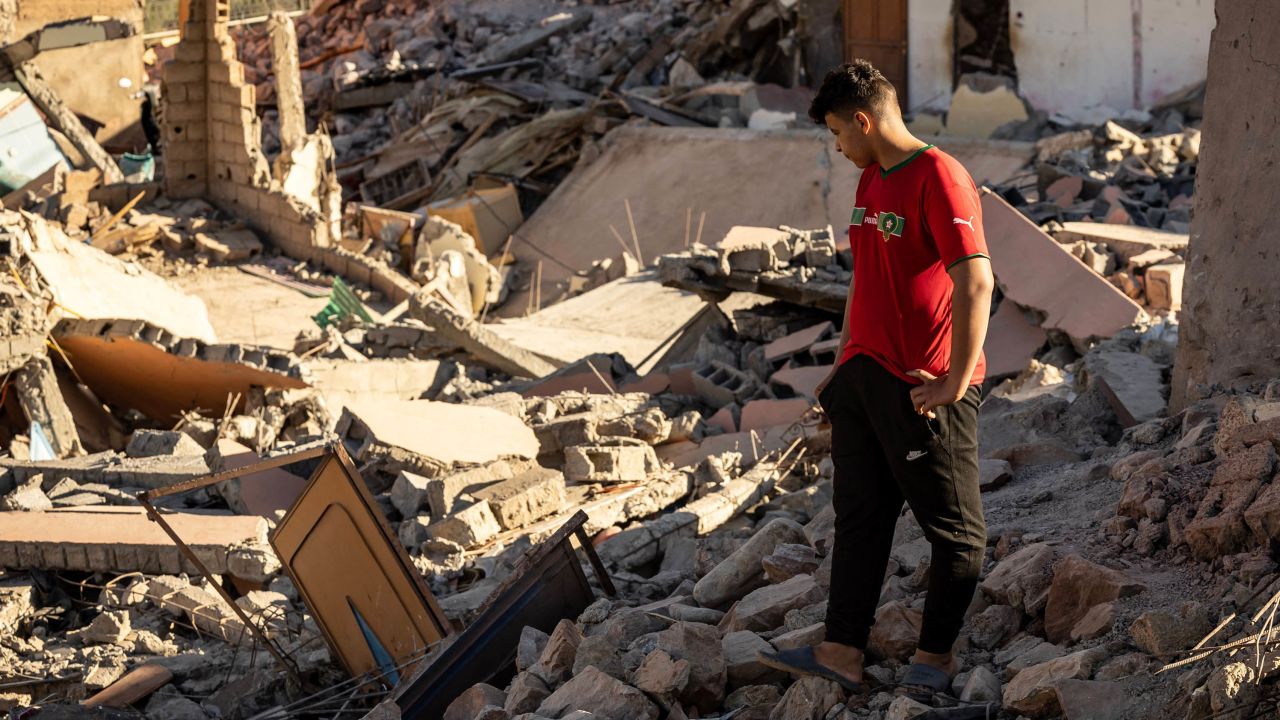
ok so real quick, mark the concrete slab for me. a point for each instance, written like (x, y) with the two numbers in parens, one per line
(669, 174)
(1037, 272)
(279, 312)
(343, 382)
(90, 284)
(447, 432)
(797, 342)
(631, 316)
(801, 380)
(1011, 341)
(121, 539)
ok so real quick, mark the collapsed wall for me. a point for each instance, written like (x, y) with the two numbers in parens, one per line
(212, 138)
(1231, 296)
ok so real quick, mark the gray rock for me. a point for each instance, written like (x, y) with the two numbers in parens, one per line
(742, 658)
(809, 698)
(474, 699)
(742, 572)
(701, 646)
(606, 697)
(765, 608)
(532, 642)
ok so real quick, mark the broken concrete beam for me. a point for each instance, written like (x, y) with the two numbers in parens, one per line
(157, 443)
(122, 539)
(1164, 286)
(1126, 241)
(475, 339)
(61, 118)
(42, 402)
(121, 360)
(108, 468)
(1036, 272)
(609, 463)
(754, 249)
(525, 498)
(392, 431)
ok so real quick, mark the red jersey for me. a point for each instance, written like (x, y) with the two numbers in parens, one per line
(911, 224)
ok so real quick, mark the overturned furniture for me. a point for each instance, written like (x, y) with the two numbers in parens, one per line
(373, 607)
(547, 586)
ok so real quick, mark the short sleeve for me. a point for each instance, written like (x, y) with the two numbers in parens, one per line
(953, 214)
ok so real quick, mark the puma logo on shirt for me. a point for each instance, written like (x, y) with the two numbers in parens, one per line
(958, 221)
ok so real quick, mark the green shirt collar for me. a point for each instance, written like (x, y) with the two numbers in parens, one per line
(885, 173)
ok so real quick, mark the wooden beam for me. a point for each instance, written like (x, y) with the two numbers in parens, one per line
(62, 119)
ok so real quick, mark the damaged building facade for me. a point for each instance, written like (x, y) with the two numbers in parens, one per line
(459, 360)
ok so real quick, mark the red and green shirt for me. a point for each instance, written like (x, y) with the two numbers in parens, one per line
(912, 223)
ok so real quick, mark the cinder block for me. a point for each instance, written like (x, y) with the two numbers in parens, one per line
(184, 112)
(175, 92)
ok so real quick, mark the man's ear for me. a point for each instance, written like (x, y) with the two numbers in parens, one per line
(863, 121)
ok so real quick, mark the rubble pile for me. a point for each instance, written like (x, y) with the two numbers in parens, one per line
(609, 507)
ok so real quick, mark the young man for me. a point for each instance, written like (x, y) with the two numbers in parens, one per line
(902, 397)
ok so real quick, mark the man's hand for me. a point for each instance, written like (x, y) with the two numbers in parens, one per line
(935, 392)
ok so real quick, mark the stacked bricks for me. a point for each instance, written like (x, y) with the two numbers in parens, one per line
(213, 136)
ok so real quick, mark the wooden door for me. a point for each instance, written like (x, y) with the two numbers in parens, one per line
(876, 30)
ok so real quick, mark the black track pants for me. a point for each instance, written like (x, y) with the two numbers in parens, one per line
(885, 453)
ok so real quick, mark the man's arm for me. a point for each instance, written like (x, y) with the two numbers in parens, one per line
(970, 310)
(844, 338)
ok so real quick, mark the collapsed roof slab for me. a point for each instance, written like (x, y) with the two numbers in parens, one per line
(1038, 273)
(670, 176)
(91, 284)
(121, 539)
(443, 432)
(137, 365)
(632, 316)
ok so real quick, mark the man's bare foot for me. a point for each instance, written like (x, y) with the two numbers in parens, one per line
(844, 659)
(944, 662)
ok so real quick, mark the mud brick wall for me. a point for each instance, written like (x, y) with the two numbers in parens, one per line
(212, 137)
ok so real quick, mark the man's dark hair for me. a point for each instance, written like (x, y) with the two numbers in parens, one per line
(853, 87)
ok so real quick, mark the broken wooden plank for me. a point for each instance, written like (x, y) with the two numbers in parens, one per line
(65, 121)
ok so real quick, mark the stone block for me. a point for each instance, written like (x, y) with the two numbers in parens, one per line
(742, 571)
(754, 249)
(469, 527)
(443, 493)
(525, 498)
(1077, 586)
(609, 463)
(741, 651)
(765, 608)
(409, 493)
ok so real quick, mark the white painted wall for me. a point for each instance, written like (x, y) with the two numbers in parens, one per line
(1175, 45)
(1088, 59)
(929, 48)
